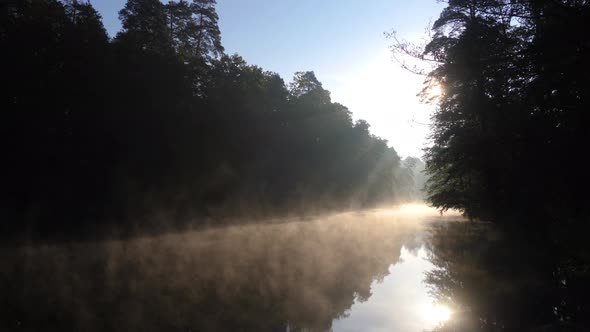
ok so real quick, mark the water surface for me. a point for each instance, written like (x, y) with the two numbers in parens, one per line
(346, 272)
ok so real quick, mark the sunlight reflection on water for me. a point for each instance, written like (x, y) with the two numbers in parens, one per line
(356, 271)
(400, 302)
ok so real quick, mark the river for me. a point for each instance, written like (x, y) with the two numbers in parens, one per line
(380, 270)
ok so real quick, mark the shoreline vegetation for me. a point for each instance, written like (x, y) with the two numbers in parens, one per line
(510, 120)
(158, 123)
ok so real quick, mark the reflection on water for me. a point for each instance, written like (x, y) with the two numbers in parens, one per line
(385, 270)
(335, 273)
(508, 281)
(400, 302)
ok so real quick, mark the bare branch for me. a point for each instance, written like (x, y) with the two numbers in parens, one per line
(404, 53)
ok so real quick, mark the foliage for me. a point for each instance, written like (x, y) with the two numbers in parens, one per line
(158, 124)
(513, 109)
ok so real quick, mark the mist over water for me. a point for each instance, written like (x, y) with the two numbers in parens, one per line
(142, 169)
(280, 276)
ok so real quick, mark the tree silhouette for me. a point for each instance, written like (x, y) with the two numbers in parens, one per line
(158, 128)
(508, 102)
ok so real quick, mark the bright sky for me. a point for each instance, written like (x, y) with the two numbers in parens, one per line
(342, 41)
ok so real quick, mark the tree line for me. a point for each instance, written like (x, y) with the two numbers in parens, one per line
(511, 126)
(159, 123)
(509, 136)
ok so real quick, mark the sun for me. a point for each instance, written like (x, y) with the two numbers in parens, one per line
(432, 93)
(436, 313)
(435, 91)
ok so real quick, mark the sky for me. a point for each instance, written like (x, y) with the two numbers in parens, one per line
(343, 42)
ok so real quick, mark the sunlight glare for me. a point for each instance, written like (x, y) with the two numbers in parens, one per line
(436, 313)
(385, 95)
(433, 93)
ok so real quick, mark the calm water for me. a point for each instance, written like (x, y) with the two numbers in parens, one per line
(400, 302)
(347, 272)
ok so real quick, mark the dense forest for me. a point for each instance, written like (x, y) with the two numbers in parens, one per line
(158, 123)
(508, 139)
(511, 125)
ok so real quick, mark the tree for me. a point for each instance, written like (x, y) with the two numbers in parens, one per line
(305, 83)
(144, 26)
(512, 88)
(159, 124)
(208, 38)
(179, 20)
(194, 30)
(470, 47)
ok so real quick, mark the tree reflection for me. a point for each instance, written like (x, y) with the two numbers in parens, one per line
(271, 277)
(495, 280)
